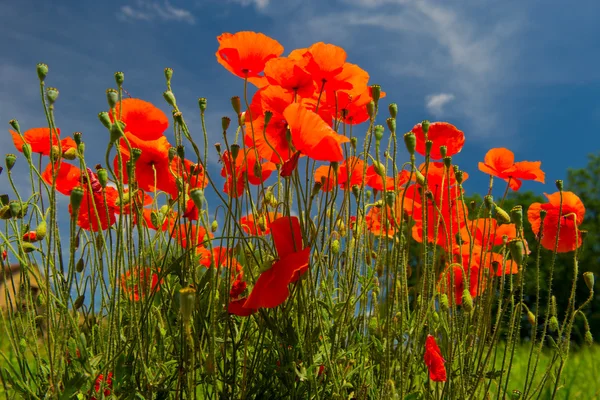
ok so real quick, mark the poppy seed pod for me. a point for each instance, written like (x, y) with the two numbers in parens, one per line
(15, 125)
(268, 116)
(112, 97)
(236, 104)
(393, 108)
(391, 123)
(178, 116)
(390, 198)
(75, 200)
(447, 161)
(425, 126)
(225, 121)
(375, 92)
(516, 214)
(77, 138)
(588, 277)
(559, 185)
(467, 301)
(458, 175)
(42, 71)
(170, 98)
(119, 78)
(102, 177)
(51, 95)
(197, 196)
(168, 74)
(428, 147)
(202, 103)
(378, 132)
(517, 251)
(443, 151)
(501, 216)
(218, 148)
(410, 140)
(105, 119)
(371, 109)
(11, 159)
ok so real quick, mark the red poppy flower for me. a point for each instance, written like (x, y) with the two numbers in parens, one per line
(271, 287)
(190, 236)
(570, 217)
(325, 64)
(377, 224)
(434, 360)
(142, 119)
(39, 140)
(107, 385)
(4, 255)
(289, 166)
(377, 182)
(243, 168)
(290, 75)
(474, 281)
(139, 282)
(30, 236)
(260, 226)
(437, 175)
(68, 176)
(245, 53)
(441, 134)
(500, 162)
(312, 136)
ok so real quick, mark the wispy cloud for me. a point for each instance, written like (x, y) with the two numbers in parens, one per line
(145, 10)
(259, 4)
(435, 103)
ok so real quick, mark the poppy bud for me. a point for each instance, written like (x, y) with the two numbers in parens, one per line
(78, 302)
(488, 201)
(119, 78)
(371, 109)
(99, 241)
(531, 318)
(335, 247)
(517, 216)
(75, 199)
(17, 210)
(553, 305)
(420, 178)
(257, 170)
(375, 92)
(30, 237)
(316, 188)
(187, 301)
(236, 104)
(218, 148)
(10, 161)
(214, 226)
(235, 150)
(155, 220)
(168, 74)
(5, 212)
(105, 119)
(447, 160)
(202, 103)
(378, 132)
(51, 95)
(443, 151)
(27, 151)
(588, 277)
(41, 230)
(473, 205)
(197, 196)
(517, 251)
(353, 142)
(393, 108)
(355, 191)
(428, 147)
(112, 96)
(225, 121)
(71, 153)
(28, 247)
(242, 118)
(268, 116)
(181, 152)
(170, 98)
(15, 125)
(467, 301)
(391, 123)
(390, 198)
(425, 126)
(553, 324)
(102, 177)
(501, 216)
(410, 140)
(80, 265)
(588, 338)
(42, 71)
(559, 185)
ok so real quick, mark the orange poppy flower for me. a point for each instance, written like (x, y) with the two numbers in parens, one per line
(377, 224)
(487, 233)
(138, 283)
(245, 53)
(242, 168)
(350, 173)
(500, 162)
(290, 75)
(437, 175)
(190, 236)
(259, 227)
(68, 176)
(166, 222)
(271, 287)
(376, 181)
(434, 360)
(570, 217)
(312, 136)
(326, 63)
(454, 273)
(142, 119)
(39, 140)
(441, 134)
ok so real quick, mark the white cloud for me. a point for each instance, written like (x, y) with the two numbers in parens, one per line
(149, 10)
(435, 102)
(259, 4)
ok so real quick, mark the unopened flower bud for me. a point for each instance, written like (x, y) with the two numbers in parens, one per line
(355, 191)
(588, 338)
(71, 153)
(102, 177)
(75, 199)
(444, 303)
(5, 212)
(225, 121)
(393, 108)
(335, 247)
(553, 324)
(170, 98)
(41, 230)
(517, 251)
(15, 125)
(443, 151)
(501, 216)
(17, 210)
(28, 247)
(467, 300)
(105, 119)
(42, 71)
(11, 159)
(236, 104)
(559, 185)
(378, 131)
(180, 152)
(214, 226)
(197, 196)
(390, 198)
(353, 142)
(27, 151)
(458, 175)
(112, 97)
(379, 168)
(371, 109)
(119, 78)
(375, 92)
(488, 201)
(531, 318)
(78, 302)
(51, 95)
(410, 140)
(202, 103)
(218, 148)
(79, 267)
(316, 188)
(168, 75)
(588, 277)
(242, 118)
(420, 178)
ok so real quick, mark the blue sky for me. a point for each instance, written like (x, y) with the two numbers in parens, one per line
(516, 74)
